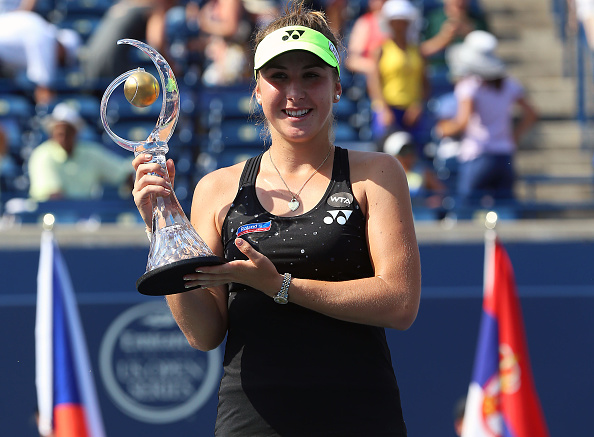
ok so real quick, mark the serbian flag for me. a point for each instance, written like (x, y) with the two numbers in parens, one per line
(502, 399)
(67, 401)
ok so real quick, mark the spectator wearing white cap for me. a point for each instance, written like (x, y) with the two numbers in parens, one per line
(30, 43)
(398, 85)
(486, 96)
(64, 167)
(423, 184)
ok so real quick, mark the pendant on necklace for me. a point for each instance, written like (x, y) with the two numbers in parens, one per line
(293, 204)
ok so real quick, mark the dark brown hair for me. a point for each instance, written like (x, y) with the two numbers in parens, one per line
(296, 13)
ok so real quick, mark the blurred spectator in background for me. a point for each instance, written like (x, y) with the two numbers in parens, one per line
(262, 12)
(425, 187)
(225, 18)
(3, 144)
(582, 12)
(17, 5)
(63, 167)
(3, 149)
(366, 37)
(448, 25)
(485, 97)
(397, 84)
(337, 13)
(459, 409)
(219, 36)
(30, 44)
(228, 63)
(144, 20)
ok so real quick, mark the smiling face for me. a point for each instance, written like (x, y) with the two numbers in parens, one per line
(297, 90)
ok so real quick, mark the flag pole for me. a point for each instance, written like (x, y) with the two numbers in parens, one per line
(490, 238)
(43, 335)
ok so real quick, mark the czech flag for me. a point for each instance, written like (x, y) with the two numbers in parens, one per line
(502, 399)
(67, 401)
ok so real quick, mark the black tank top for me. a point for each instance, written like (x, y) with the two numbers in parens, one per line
(290, 371)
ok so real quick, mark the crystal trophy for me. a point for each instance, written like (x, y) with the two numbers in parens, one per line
(176, 248)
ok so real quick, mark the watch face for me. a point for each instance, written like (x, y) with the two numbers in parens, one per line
(281, 299)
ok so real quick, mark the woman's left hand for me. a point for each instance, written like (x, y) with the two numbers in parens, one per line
(257, 272)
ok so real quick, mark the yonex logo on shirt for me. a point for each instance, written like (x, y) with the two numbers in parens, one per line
(339, 215)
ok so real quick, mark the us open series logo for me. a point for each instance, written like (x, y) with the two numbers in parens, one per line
(150, 371)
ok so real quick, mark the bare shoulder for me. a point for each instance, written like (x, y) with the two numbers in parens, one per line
(219, 184)
(373, 166)
(376, 177)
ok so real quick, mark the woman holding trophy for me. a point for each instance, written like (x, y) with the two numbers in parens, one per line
(321, 257)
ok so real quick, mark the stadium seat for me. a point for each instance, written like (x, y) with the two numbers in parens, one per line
(237, 133)
(71, 8)
(84, 25)
(44, 7)
(7, 86)
(439, 78)
(229, 102)
(345, 109)
(129, 130)
(233, 156)
(16, 106)
(13, 131)
(87, 105)
(75, 211)
(344, 132)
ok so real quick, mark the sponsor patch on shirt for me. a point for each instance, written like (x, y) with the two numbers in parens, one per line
(253, 227)
(340, 200)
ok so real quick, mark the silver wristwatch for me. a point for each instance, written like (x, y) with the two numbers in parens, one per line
(282, 296)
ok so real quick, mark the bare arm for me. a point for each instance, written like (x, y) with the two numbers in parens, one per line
(374, 82)
(356, 61)
(529, 117)
(202, 313)
(457, 125)
(391, 297)
(375, 93)
(28, 5)
(440, 41)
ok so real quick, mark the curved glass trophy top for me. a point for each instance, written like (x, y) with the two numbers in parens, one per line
(176, 248)
(167, 120)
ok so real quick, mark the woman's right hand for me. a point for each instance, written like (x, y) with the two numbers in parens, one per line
(150, 180)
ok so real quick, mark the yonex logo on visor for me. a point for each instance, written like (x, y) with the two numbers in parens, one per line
(295, 38)
(294, 34)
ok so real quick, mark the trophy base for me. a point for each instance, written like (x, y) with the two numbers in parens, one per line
(168, 279)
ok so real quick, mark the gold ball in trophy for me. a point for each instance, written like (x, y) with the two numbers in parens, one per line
(141, 89)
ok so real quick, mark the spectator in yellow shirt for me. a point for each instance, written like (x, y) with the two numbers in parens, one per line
(398, 86)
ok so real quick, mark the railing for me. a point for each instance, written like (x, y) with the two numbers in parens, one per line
(579, 63)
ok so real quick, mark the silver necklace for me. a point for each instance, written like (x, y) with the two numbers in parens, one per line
(294, 203)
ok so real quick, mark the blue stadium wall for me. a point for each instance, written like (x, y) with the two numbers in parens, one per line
(433, 360)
